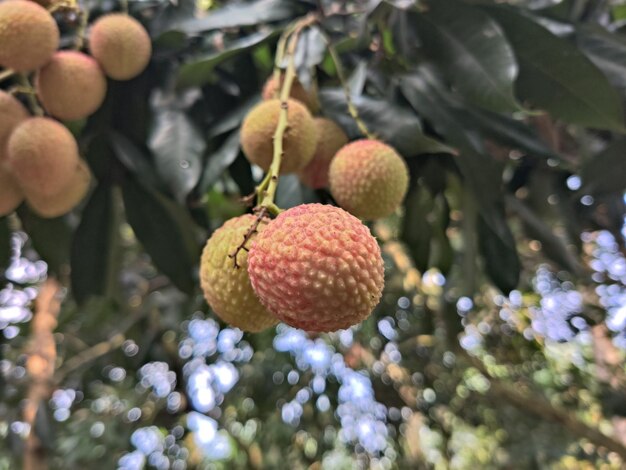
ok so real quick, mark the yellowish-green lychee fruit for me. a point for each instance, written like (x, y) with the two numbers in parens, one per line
(368, 179)
(317, 267)
(226, 286)
(43, 156)
(331, 138)
(71, 86)
(66, 199)
(121, 45)
(299, 140)
(28, 35)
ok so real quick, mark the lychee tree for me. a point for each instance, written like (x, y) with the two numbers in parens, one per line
(297, 234)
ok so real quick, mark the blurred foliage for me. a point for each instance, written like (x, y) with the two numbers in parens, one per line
(499, 342)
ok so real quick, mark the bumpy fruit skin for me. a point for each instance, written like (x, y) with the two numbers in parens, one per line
(43, 156)
(330, 139)
(28, 35)
(368, 179)
(12, 112)
(297, 92)
(227, 288)
(66, 199)
(121, 45)
(10, 194)
(71, 86)
(299, 140)
(317, 267)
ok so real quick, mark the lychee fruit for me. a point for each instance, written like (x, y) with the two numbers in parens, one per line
(12, 112)
(11, 195)
(299, 139)
(121, 45)
(28, 35)
(368, 179)
(317, 267)
(66, 199)
(43, 155)
(330, 139)
(71, 86)
(227, 287)
(297, 92)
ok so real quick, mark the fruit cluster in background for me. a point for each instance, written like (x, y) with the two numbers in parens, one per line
(39, 157)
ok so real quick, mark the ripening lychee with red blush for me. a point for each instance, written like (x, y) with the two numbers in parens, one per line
(226, 286)
(368, 179)
(121, 45)
(299, 139)
(12, 112)
(317, 267)
(28, 35)
(42, 154)
(71, 86)
(330, 139)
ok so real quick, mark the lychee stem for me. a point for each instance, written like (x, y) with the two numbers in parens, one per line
(6, 74)
(27, 89)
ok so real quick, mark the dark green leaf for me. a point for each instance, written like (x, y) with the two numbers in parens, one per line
(135, 160)
(155, 222)
(51, 238)
(241, 172)
(499, 253)
(200, 71)
(405, 134)
(91, 253)
(5, 244)
(606, 50)
(606, 172)
(416, 230)
(219, 161)
(233, 119)
(178, 147)
(555, 76)
(473, 52)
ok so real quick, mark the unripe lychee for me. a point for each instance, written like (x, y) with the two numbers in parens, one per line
(121, 45)
(12, 112)
(297, 92)
(317, 267)
(66, 199)
(43, 155)
(368, 179)
(330, 139)
(299, 140)
(10, 194)
(227, 287)
(28, 35)
(71, 86)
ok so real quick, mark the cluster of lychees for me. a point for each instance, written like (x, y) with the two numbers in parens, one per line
(315, 267)
(39, 157)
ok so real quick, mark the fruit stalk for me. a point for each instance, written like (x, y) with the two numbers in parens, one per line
(29, 91)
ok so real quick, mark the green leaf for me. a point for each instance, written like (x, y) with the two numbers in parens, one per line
(135, 160)
(502, 262)
(557, 77)
(606, 50)
(178, 147)
(5, 244)
(606, 172)
(155, 221)
(91, 253)
(233, 118)
(219, 161)
(200, 71)
(473, 52)
(405, 134)
(416, 229)
(51, 238)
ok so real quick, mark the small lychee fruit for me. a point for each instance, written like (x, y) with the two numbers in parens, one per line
(368, 179)
(227, 287)
(28, 35)
(11, 195)
(330, 139)
(66, 199)
(121, 45)
(43, 155)
(299, 140)
(71, 86)
(317, 267)
(297, 92)
(12, 112)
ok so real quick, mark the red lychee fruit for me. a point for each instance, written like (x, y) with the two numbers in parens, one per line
(330, 139)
